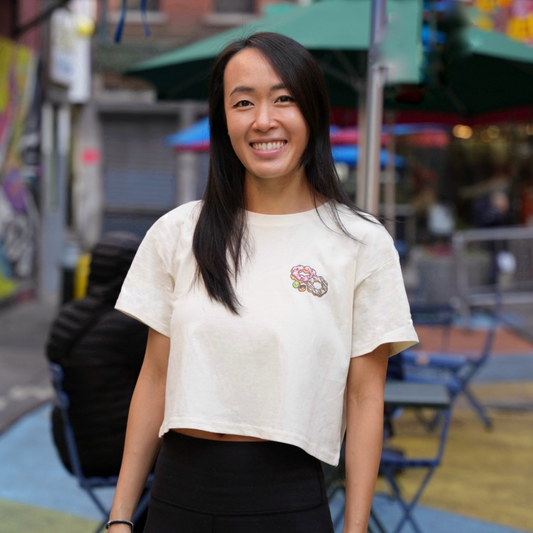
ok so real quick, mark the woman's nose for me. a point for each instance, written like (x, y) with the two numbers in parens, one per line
(264, 118)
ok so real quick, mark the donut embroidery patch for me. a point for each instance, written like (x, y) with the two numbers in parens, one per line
(305, 279)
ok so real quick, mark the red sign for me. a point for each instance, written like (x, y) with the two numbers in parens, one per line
(90, 156)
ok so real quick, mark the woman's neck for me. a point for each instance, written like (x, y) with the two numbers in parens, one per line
(273, 197)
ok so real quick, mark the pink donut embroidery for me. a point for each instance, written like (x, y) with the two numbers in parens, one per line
(302, 273)
(305, 279)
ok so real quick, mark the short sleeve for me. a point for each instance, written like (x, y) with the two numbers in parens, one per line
(381, 312)
(147, 291)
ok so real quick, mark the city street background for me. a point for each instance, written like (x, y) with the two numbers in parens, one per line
(103, 128)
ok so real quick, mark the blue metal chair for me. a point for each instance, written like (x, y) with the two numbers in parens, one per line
(454, 370)
(398, 395)
(433, 397)
(90, 484)
(439, 317)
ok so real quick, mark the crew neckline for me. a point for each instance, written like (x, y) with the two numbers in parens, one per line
(263, 219)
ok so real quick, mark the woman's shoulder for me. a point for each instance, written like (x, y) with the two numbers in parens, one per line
(369, 240)
(363, 227)
(184, 213)
(181, 218)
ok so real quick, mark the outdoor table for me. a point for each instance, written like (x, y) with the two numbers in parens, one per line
(417, 395)
(403, 394)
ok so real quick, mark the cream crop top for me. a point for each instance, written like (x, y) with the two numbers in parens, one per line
(311, 299)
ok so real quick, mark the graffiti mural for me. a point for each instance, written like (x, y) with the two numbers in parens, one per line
(19, 166)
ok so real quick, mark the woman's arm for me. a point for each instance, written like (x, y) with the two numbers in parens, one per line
(364, 435)
(144, 420)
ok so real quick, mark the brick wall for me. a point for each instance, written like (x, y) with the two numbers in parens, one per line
(182, 21)
(185, 11)
(27, 10)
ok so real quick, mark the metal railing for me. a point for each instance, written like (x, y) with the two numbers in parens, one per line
(505, 266)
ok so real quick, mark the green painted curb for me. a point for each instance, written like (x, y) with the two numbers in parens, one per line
(19, 518)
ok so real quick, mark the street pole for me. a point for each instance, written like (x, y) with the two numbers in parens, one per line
(389, 200)
(360, 146)
(376, 74)
(102, 31)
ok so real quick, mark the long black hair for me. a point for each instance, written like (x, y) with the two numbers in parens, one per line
(220, 233)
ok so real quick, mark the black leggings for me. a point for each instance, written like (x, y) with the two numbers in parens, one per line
(206, 486)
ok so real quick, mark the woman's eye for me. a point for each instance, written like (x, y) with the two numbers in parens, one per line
(242, 103)
(285, 98)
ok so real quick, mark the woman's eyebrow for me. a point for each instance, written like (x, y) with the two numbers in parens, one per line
(242, 89)
(246, 89)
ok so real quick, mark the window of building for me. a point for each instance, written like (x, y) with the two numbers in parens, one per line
(234, 6)
(135, 5)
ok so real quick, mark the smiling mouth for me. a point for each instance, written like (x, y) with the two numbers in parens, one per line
(267, 147)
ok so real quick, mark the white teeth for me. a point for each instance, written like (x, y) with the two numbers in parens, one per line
(267, 147)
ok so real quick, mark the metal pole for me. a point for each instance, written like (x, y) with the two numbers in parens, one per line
(461, 274)
(390, 178)
(187, 162)
(376, 81)
(102, 32)
(361, 147)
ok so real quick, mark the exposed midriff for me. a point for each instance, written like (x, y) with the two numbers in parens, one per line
(199, 434)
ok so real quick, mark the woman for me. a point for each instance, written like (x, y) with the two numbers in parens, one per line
(273, 307)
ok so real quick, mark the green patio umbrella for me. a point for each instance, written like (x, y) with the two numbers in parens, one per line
(337, 32)
(483, 72)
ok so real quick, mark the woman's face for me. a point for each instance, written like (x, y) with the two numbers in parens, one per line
(266, 128)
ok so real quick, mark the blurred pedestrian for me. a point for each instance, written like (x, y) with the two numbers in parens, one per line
(101, 352)
(491, 205)
(273, 305)
(490, 198)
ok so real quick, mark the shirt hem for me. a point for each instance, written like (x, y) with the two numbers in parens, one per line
(247, 430)
(400, 339)
(144, 318)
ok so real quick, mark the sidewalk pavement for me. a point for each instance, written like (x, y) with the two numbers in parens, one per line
(38, 495)
(46, 498)
(24, 380)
